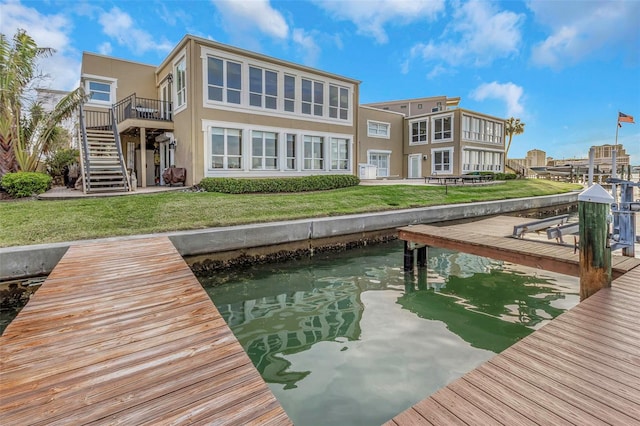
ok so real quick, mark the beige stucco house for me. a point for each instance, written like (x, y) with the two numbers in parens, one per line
(217, 110)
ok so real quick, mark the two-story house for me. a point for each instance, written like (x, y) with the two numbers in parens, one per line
(216, 110)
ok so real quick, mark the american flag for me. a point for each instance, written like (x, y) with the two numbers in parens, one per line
(624, 118)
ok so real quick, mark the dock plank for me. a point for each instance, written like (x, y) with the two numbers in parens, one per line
(126, 335)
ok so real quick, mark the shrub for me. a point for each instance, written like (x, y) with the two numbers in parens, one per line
(505, 176)
(62, 157)
(25, 184)
(275, 185)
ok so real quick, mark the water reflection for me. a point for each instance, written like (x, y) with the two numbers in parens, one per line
(351, 339)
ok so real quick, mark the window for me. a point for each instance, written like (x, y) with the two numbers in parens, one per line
(381, 161)
(441, 161)
(313, 153)
(101, 90)
(339, 154)
(312, 97)
(482, 130)
(263, 84)
(476, 160)
(264, 150)
(289, 93)
(291, 152)
(442, 128)
(180, 72)
(377, 129)
(418, 132)
(224, 80)
(226, 148)
(338, 102)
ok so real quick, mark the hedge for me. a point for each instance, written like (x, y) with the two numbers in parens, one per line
(25, 184)
(274, 185)
(505, 176)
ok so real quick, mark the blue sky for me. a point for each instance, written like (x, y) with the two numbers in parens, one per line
(564, 67)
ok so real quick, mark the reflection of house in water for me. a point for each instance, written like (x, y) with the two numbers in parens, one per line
(444, 263)
(290, 323)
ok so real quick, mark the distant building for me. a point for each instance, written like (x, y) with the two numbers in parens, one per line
(49, 98)
(602, 158)
(536, 158)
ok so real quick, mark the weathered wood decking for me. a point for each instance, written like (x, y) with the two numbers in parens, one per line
(581, 368)
(492, 238)
(123, 333)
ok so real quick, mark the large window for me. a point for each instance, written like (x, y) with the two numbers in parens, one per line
(482, 130)
(312, 97)
(313, 152)
(264, 150)
(418, 132)
(338, 102)
(263, 88)
(180, 72)
(442, 128)
(339, 154)
(224, 80)
(377, 129)
(226, 148)
(291, 152)
(441, 161)
(477, 160)
(289, 93)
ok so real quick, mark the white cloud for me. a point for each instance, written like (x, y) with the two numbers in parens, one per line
(120, 26)
(105, 48)
(509, 93)
(307, 44)
(478, 34)
(61, 67)
(577, 30)
(247, 15)
(370, 17)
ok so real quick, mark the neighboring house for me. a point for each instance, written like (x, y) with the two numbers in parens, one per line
(441, 139)
(216, 110)
(49, 98)
(602, 157)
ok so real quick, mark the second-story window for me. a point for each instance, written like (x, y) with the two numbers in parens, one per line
(418, 132)
(289, 93)
(442, 128)
(181, 82)
(263, 88)
(312, 97)
(338, 102)
(377, 129)
(224, 79)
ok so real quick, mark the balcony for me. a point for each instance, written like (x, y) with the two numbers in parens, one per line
(135, 112)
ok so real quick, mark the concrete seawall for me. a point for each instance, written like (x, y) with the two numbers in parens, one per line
(28, 261)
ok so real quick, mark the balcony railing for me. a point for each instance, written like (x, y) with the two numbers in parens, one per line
(142, 108)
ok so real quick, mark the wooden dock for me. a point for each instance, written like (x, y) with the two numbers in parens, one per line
(581, 368)
(122, 332)
(492, 238)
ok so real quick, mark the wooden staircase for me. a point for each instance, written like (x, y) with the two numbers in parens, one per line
(104, 171)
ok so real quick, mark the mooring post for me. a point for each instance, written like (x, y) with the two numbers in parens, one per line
(595, 252)
(408, 257)
(422, 257)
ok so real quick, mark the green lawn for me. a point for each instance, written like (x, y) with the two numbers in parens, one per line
(35, 222)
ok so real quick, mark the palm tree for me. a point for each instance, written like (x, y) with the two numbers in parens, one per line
(513, 126)
(18, 60)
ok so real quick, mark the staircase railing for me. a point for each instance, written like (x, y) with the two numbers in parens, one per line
(123, 167)
(84, 147)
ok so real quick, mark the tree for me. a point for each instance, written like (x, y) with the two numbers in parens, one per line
(513, 126)
(20, 150)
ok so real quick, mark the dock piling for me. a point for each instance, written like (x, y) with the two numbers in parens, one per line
(408, 256)
(595, 251)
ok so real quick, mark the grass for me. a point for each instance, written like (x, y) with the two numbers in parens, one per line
(34, 222)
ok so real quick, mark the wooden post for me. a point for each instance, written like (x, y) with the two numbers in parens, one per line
(408, 257)
(422, 257)
(595, 253)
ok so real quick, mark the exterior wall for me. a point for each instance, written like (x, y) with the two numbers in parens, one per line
(128, 77)
(372, 146)
(413, 107)
(536, 158)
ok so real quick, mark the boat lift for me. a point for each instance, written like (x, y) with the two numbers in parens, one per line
(624, 224)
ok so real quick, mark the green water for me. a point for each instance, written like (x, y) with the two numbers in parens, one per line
(351, 339)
